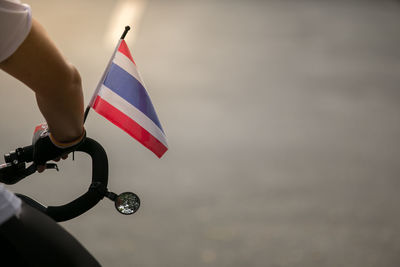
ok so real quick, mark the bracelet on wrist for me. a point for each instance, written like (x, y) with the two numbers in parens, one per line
(67, 144)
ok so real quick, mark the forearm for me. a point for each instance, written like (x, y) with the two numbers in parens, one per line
(56, 83)
(63, 110)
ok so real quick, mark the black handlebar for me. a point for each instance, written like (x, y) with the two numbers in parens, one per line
(97, 189)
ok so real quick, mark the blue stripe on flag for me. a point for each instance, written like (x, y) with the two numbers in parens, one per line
(130, 89)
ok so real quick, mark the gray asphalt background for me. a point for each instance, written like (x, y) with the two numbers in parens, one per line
(283, 124)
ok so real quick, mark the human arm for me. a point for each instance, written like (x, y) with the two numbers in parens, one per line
(56, 83)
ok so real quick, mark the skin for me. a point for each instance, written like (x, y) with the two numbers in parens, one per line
(56, 83)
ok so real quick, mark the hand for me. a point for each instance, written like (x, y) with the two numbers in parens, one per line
(46, 148)
(41, 168)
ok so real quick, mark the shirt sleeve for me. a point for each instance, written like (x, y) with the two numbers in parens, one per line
(15, 24)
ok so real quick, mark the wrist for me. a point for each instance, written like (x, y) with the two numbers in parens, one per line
(65, 143)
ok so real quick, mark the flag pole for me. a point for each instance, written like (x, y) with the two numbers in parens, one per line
(127, 28)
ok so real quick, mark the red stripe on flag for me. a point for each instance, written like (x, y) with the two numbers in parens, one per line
(123, 48)
(129, 126)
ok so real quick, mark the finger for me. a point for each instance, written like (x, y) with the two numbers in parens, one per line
(64, 156)
(41, 168)
(57, 159)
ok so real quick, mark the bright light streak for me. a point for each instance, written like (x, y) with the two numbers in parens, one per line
(126, 12)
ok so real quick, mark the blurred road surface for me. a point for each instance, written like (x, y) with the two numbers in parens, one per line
(283, 121)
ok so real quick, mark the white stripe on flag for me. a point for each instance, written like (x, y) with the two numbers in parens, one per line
(132, 112)
(125, 63)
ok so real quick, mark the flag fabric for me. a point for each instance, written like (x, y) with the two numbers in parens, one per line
(122, 98)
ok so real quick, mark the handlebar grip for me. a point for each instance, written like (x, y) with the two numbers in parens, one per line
(28, 153)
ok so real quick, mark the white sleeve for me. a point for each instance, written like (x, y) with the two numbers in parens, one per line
(15, 24)
(10, 204)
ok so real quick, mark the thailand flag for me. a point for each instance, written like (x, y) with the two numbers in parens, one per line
(123, 100)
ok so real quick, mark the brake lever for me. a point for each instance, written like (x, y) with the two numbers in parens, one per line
(52, 166)
(13, 173)
(32, 168)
